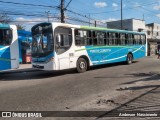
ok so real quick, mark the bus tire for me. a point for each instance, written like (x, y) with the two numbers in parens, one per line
(81, 65)
(129, 58)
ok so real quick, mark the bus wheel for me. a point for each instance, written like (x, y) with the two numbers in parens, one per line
(129, 58)
(81, 65)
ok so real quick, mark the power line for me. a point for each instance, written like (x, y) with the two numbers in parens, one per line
(57, 7)
(123, 9)
(142, 7)
(68, 4)
(84, 16)
(29, 4)
(82, 21)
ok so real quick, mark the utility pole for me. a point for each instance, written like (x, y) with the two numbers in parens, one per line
(95, 23)
(62, 11)
(121, 15)
(89, 19)
(143, 16)
(47, 12)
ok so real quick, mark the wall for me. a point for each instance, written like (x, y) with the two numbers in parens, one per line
(128, 24)
(138, 25)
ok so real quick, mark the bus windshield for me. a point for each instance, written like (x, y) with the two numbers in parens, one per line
(42, 43)
(5, 36)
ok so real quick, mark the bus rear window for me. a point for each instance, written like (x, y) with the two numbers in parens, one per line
(5, 36)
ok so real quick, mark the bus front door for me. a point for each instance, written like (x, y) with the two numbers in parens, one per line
(63, 61)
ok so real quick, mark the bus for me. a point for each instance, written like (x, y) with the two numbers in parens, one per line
(58, 46)
(24, 41)
(9, 53)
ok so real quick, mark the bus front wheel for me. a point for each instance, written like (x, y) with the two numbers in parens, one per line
(81, 65)
(129, 58)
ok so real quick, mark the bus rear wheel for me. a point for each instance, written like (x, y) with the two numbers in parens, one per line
(81, 65)
(129, 58)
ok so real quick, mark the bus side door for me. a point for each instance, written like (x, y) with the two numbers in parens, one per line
(63, 43)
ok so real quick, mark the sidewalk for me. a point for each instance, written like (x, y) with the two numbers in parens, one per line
(22, 68)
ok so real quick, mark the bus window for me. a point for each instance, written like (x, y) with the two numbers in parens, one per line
(143, 39)
(83, 37)
(134, 41)
(89, 38)
(110, 39)
(130, 39)
(63, 39)
(117, 40)
(113, 38)
(77, 38)
(140, 40)
(94, 38)
(126, 39)
(5, 36)
(137, 39)
(107, 39)
(122, 38)
(50, 43)
(100, 38)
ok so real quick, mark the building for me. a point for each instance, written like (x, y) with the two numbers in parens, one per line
(153, 36)
(128, 24)
(152, 30)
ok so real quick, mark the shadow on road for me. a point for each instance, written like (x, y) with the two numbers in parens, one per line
(148, 101)
(109, 65)
(29, 73)
(151, 76)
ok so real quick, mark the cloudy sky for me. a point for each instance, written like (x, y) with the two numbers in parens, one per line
(29, 12)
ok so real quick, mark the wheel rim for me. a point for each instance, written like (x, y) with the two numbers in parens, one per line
(82, 65)
(129, 59)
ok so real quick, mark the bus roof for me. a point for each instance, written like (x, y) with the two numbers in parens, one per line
(111, 30)
(4, 26)
(93, 28)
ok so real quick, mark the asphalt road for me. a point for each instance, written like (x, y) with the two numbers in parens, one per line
(32, 90)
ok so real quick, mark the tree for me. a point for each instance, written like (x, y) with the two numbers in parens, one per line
(20, 27)
(4, 18)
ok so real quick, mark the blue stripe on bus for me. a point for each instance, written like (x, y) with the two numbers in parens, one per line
(111, 54)
(5, 59)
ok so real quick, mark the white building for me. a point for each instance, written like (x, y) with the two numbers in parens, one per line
(128, 24)
(153, 35)
(153, 30)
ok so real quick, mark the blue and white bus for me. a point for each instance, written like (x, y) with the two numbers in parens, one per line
(9, 53)
(24, 42)
(58, 46)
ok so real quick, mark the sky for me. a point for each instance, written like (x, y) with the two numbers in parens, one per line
(31, 12)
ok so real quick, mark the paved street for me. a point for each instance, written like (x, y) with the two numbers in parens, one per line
(102, 88)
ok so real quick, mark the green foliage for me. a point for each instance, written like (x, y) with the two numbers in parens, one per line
(20, 27)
